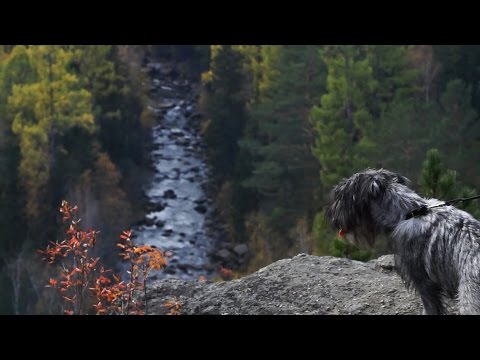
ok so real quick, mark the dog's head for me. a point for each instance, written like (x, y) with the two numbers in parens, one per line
(351, 201)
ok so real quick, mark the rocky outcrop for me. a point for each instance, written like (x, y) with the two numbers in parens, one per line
(304, 284)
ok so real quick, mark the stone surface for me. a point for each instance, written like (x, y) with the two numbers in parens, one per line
(304, 284)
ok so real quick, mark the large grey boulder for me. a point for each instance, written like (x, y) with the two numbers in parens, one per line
(305, 284)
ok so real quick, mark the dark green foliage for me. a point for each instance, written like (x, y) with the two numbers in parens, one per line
(396, 78)
(458, 129)
(226, 108)
(342, 248)
(116, 103)
(473, 206)
(460, 62)
(435, 181)
(15, 69)
(404, 133)
(438, 182)
(343, 120)
(284, 172)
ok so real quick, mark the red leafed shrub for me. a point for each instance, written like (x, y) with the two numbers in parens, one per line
(85, 286)
(173, 305)
(226, 274)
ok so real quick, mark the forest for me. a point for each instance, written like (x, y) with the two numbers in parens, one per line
(281, 124)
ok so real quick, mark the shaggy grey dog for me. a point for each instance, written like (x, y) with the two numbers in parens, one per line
(437, 248)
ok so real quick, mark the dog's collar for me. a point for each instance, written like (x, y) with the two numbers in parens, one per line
(423, 210)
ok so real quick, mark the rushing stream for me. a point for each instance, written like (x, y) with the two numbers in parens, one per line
(180, 210)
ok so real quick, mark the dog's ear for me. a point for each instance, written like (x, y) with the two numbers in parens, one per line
(376, 187)
(367, 187)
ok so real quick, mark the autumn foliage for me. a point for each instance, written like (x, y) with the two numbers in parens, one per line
(87, 287)
(226, 274)
(173, 305)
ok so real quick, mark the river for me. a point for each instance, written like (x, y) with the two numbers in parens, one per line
(180, 211)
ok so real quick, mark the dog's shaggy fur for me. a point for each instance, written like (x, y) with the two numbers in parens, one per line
(437, 253)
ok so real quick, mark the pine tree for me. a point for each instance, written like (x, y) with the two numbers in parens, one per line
(279, 135)
(403, 125)
(438, 182)
(226, 108)
(117, 106)
(396, 77)
(404, 133)
(343, 120)
(435, 181)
